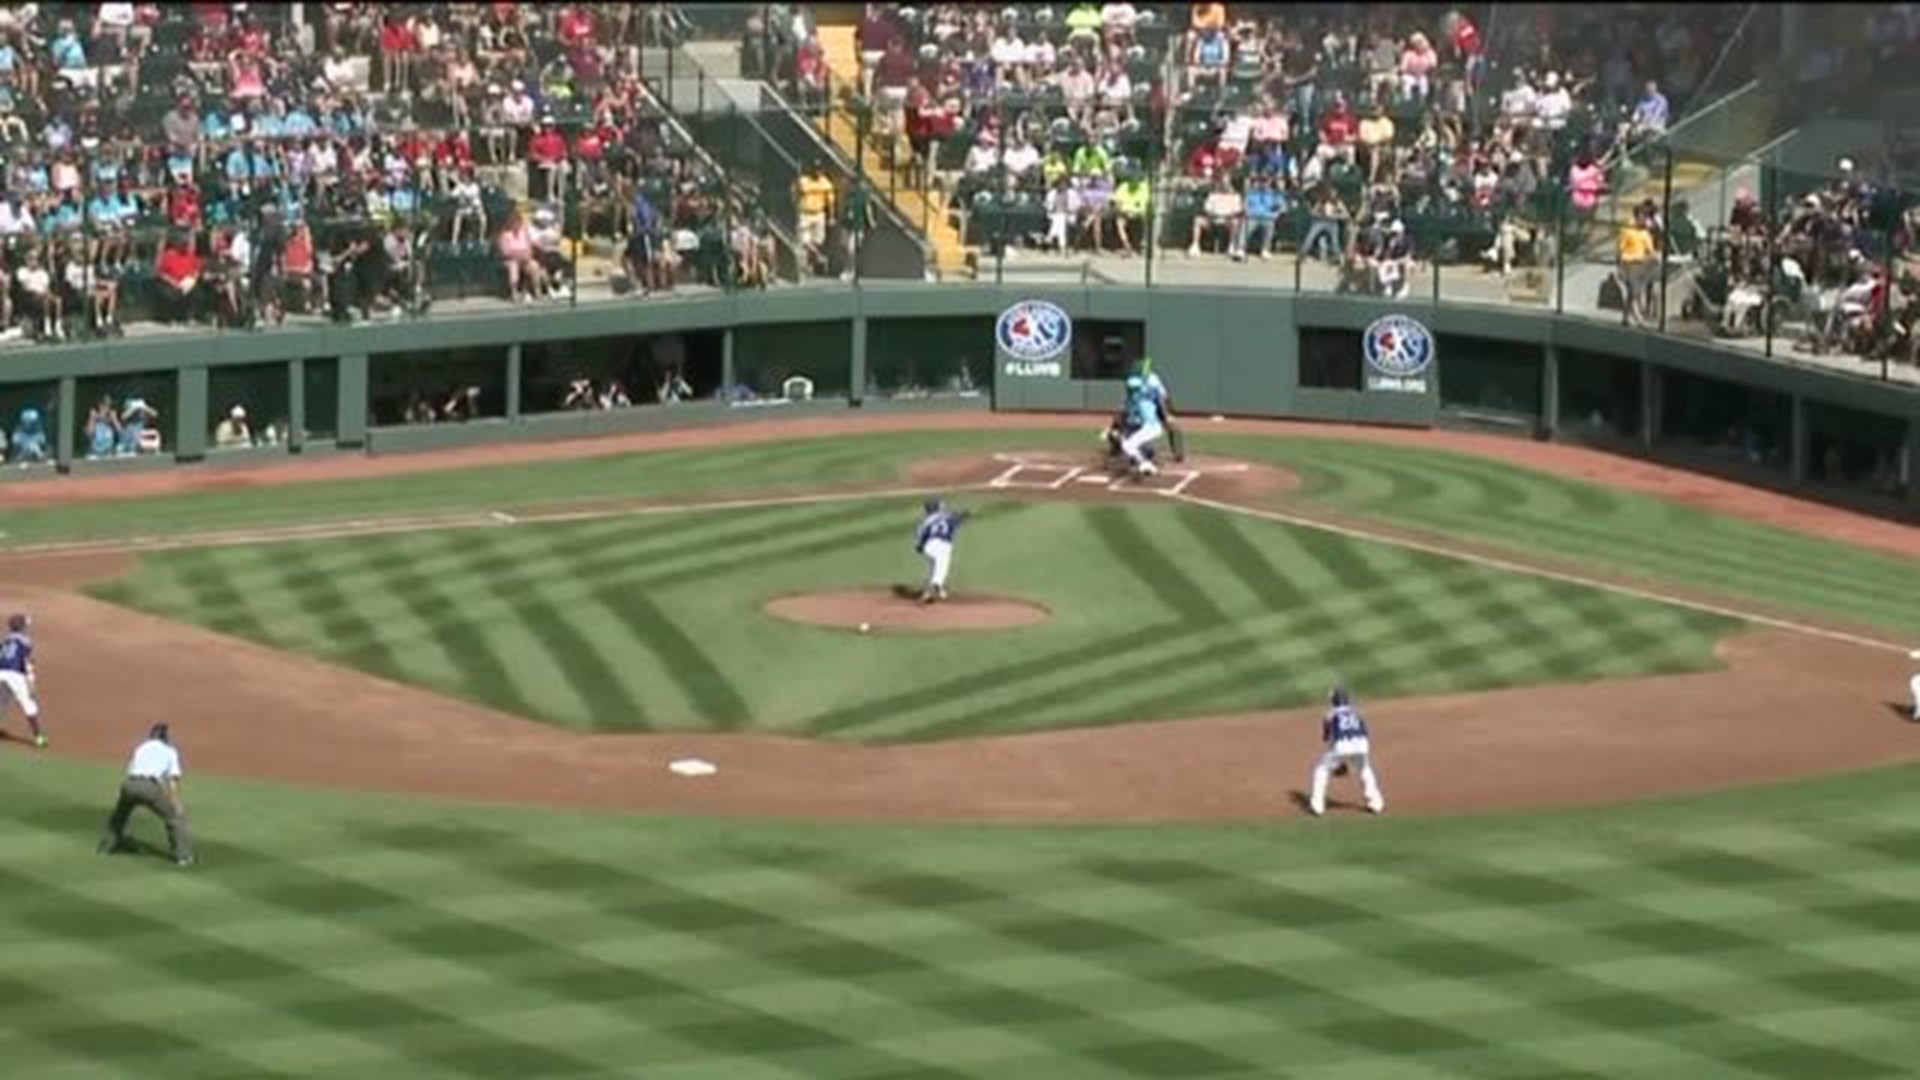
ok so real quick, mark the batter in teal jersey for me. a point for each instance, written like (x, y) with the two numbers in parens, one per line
(1143, 418)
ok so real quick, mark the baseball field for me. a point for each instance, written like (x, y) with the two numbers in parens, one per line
(1643, 736)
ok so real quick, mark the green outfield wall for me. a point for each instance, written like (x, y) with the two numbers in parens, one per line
(1223, 351)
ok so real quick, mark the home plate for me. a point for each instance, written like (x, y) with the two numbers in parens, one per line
(693, 766)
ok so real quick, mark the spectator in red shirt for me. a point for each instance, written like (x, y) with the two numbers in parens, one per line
(876, 34)
(178, 269)
(576, 27)
(548, 153)
(922, 111)
(453, 152)
(810, 72)
(183, 206)
(250, 36)
(1339, 127)
(591, 143)
(398, 43)
(1204, 161)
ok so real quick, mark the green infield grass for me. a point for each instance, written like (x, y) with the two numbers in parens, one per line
(1762, 934)
(1161, 610)
(1490, 503)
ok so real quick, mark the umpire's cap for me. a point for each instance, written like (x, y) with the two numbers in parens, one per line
(17, 621)
(160, 731)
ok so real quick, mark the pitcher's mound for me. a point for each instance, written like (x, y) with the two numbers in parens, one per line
(897, 610)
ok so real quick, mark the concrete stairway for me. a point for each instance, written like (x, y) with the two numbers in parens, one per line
(950, 254)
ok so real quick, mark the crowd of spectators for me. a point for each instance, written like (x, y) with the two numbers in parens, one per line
(1369, 136)
(227, 163)
(1407, 132)
(1827, 268)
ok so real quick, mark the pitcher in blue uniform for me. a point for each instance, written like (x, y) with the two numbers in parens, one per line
(1344, 731)
(939, 525)
(16, 674)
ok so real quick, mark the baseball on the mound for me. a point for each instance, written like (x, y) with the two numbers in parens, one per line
(864, 627)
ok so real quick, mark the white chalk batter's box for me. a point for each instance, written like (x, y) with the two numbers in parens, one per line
(1164, 482)
(1041, 476)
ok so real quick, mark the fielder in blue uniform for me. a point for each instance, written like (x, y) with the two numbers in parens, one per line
(17, 676)
(933, 540)
(1344, 731)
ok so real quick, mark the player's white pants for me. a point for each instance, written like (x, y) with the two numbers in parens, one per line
(1357, 754)
(21, 690)
(939, 556)
(1134, 443)
(1914, 685)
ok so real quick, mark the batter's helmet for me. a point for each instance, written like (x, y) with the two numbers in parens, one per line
(17, 622)
(931, 505)
(1135, 382)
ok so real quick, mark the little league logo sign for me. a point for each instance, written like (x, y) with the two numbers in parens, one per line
(1399, 351)
(1031, 336)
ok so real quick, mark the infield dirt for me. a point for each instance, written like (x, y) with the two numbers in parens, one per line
(1786, 705)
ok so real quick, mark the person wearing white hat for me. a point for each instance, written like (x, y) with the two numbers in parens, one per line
(1394, 265)
(550, 250)
(135, 416)
(232, 432)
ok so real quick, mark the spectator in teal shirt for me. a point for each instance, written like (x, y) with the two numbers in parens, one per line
(1265, 204)
(299, 124)
(65, 48)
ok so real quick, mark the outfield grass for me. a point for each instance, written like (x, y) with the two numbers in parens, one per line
(1161, 610)
(1760, 934)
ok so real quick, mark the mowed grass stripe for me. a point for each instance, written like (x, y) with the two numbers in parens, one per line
(1638, 534)
(1445, 964)
(1740, 555)
(658, 904)
(1281, 658)
(1276, 950)
(699, 675)
(571, 652)
(599, 627)
(424, 1034)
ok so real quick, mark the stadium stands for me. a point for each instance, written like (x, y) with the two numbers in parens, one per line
(227, 163)
(236, 165)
